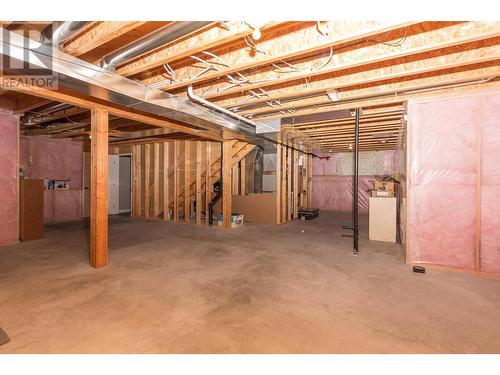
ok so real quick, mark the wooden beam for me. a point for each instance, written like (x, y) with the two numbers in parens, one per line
(122, 112)
(384, 88)
(278, 183)
(27, 103)
(305, 39)
(461, 59)
(423, 44)
(177, 155)
(204, 41)
(156, 180)
(99, 189)
(226, 183)
(199, 202)
(187, 179)
(147, 179)
(99, 34)
(166, 180)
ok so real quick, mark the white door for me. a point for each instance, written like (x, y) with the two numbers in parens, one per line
(113, 184)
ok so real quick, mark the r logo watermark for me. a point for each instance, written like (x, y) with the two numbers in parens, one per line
(27, 58)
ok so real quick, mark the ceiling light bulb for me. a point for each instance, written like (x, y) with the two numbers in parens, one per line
(256, 34)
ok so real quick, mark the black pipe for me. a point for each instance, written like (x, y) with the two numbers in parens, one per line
(355, 212)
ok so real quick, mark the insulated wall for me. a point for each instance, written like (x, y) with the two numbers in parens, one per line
(55, 159)
(454, 181)
(334, 191)
(8, 178)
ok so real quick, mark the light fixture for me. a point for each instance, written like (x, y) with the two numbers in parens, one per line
(350, 146)
(256, 26)
(334, 95)
(256, 34)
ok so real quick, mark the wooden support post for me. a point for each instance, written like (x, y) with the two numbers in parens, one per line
(309, 180)
(98, 252)
(147, 182)
(156, 180)
(289, 206)
(166, 181)
(208, 180)
(284, 174)
(226, 183)
(278, 183)
(187, 170)
(295, 184)
(199, 202)
(177, 155)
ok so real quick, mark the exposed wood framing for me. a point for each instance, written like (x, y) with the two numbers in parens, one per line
(198, 181)
(204, 41)
(284, 176)
(309, 180)
(166, 180)
(226, 183)
(156, 180)
(177, 154)
(147, 180)
(278, 183)
(243, 175)
(295, 184)
(98, 252)
(99, 34)
(208, 179)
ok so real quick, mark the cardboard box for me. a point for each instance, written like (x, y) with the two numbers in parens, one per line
(384, 185)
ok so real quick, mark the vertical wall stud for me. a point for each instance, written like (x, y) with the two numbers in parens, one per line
(166, 181)
(177, 155)
(199, 202)
(226, 183)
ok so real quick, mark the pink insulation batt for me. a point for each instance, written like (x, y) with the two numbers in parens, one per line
(8, 179)
(443, 150)
(334, 192)
(55, 159)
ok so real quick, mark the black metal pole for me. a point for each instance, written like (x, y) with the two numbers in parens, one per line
(356, 184)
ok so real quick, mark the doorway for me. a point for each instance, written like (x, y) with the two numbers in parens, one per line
(119, 184)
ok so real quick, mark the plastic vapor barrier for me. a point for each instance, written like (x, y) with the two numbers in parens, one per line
(454, 181)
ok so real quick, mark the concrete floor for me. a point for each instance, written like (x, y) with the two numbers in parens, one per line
(294, 288)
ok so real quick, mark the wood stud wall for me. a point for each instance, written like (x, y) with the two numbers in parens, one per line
(293, 183)
(162, 169)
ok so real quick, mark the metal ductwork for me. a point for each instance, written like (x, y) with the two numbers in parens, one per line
(82, 78)
(59, 32)
(150, 42)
